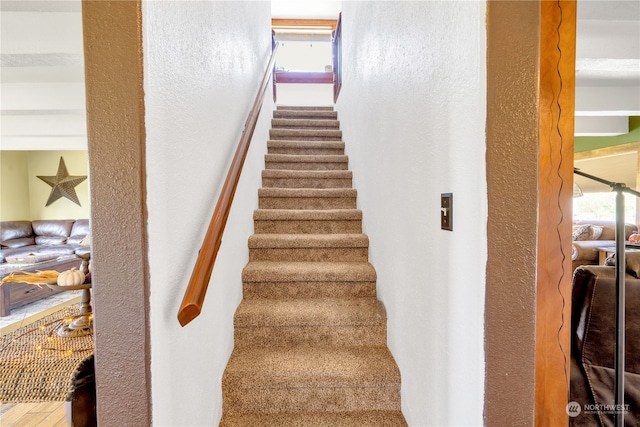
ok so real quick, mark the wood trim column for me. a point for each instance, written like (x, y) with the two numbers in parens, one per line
(116, 133)
(555, 192)
(512, 158)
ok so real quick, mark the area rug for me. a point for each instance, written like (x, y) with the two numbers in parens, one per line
(36, 364)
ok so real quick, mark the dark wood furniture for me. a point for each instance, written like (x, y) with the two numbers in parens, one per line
(14, 294)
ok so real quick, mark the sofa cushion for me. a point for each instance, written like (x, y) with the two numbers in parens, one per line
(594, 300)
(632, 261)
(587, 250)
(50, 240)
(80, 228)
(79, 232)
(52, 227)
(21, 251)
(18, 243)
(56, 249)
(10, 230)
(609, 228)
(593, 326)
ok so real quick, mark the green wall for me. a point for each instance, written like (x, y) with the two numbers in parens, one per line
(14, 185)
(23, 196)
(588, 143)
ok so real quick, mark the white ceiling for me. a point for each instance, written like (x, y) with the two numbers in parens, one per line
(42, 78)
(306, 9)
(620, 168)
(607, 66)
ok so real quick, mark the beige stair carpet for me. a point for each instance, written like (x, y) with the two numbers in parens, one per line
(310, 334)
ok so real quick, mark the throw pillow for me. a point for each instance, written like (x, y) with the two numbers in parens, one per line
(583, 232)
(86, 241)
(597, 232)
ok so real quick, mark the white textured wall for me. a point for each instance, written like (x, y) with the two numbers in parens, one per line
(412, 109)
(203, 62)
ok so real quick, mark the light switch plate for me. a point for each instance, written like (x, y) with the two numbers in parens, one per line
(446, 211)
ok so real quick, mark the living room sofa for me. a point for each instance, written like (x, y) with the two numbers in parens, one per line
(593, 345)
(589, 235)
(52, 236)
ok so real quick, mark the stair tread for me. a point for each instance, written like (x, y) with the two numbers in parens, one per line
(306, 192)
(335, 240)
(304, 122)
(292, 173)
(283, 133)
(303, 312)
(317, 419)
(307, 214)
(305, 107)
(302, 131)
(326, 114)
(306, 158)
(261, 271)
(305, 143)
(310, 366)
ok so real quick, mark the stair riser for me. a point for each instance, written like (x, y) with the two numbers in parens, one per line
(305, 135)
(357, 254)
(315, 115)
(376, 397)
(306, 108)
(293, 290)
(316, 166)
(364, 335)
(306, 150)
(306, 182)
(317, 419)
(307, 227)
(304, 123)
(306, 202)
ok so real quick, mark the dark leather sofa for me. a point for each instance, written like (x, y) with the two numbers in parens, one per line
(56, 236)
(593, 345)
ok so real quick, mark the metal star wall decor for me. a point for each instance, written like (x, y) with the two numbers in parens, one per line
(63, 184)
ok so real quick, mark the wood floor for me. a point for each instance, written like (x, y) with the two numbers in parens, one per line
(40, 414)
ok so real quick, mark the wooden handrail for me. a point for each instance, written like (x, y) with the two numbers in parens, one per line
(193, 299)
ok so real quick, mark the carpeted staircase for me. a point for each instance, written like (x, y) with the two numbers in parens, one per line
(310, 334)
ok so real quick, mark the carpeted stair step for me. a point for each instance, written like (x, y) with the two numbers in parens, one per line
(305, 114)
(306, 147)
(312, 221)
(306, 162)
(315, 321)
(306, 178)
(317, 419)
(307, 198)
(287, 280)
(309, 247)
(306, 134)
(305, 107)
(310, 378)
(304, 123)
(309, 335)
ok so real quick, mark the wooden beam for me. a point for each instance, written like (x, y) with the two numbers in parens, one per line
(555, 178)
(303, 23)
